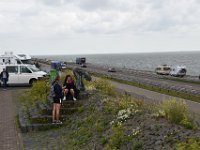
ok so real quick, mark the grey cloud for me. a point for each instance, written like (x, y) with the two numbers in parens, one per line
(44, 19)
(91, 5)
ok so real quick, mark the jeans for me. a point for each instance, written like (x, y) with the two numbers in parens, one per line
(4, 83)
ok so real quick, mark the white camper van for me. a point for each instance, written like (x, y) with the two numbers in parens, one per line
(22, 73)
(163, 69)
(10, 58)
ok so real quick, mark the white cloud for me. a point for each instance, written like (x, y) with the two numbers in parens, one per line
(87, 21)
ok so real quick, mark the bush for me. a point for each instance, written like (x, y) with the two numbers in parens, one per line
(176, 112)
(39, 91)
(117, 138)
(190, 144)
(103, 85)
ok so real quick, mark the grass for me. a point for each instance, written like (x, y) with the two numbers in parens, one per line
(103, 121)
(38, 92)
(102, 85)
(176, 112)
(189, 144)
(181, 80)
(154, 88)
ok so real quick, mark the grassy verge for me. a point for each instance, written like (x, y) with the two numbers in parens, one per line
(180, 80)
(109, 120)
(154, 88)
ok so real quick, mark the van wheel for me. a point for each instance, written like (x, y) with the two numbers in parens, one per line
(32, 81)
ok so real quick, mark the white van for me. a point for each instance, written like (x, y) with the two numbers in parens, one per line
(22, 73)
(178, 71)
(163, 69)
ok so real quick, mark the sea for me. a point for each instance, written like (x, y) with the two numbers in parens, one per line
(140, 61)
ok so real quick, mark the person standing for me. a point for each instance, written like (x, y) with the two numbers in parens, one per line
(4, 77)
(57, 100)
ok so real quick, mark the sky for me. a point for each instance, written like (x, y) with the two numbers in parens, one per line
(41, 27)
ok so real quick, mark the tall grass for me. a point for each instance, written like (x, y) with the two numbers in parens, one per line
(38, 92)
(102, 85)
(176, 111)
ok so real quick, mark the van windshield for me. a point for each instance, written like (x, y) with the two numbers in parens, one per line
(34, 69)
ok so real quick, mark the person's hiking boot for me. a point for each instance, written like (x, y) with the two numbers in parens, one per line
(74, 98)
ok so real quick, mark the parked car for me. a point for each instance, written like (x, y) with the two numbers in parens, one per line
(178, 71)
(22, 73)
(83, 65)
(111, 69)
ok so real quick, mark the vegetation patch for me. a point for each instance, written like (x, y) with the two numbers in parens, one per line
(118, 121)
(176, 112)
(189, 144)
(179, 94)
(38, 92)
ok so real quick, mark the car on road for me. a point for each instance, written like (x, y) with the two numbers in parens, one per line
(178, 71)
(83, 65)
(111, 69)
(163, 69)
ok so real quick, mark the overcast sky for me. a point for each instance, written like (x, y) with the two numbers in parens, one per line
(99, 26)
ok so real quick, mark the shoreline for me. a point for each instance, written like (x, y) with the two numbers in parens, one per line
(142, 62)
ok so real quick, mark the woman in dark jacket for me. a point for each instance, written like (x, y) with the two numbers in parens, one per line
(57, 99)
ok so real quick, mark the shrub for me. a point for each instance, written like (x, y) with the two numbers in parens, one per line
(176, 112)
(39, 91)
(190, 144)
(104, 86)
(138, 145)
(117, 138)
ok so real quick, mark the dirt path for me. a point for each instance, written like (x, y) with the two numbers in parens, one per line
(9, 139)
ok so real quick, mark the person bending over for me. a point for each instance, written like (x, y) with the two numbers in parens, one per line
(69, 87)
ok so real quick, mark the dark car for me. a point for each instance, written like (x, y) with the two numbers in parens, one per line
(111, 70)
(83, 66)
